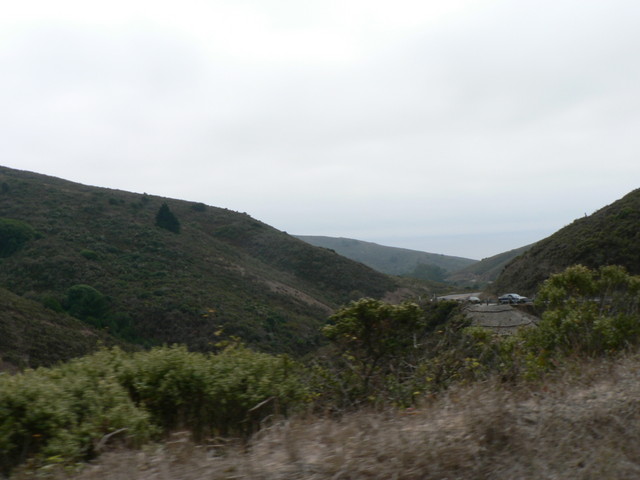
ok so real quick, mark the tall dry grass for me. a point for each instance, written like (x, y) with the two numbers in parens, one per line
(583, 423)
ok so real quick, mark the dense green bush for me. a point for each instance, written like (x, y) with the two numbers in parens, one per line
(590, 312)
(85, 302)
(67, 413)
(13, 235)
(383, 353)
(586, 313)
(211, 394)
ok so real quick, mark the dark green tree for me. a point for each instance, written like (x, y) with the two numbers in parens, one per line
(14, 234)
(86, 303)
(167, 220)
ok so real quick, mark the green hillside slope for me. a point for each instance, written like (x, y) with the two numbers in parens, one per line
(224, 274)
(32, 335)
(610, 236)
(390, 260)
(486, 270)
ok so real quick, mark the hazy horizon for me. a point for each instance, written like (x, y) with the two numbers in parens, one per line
(464, 127)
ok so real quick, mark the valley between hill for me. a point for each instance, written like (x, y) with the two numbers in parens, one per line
(247, 353)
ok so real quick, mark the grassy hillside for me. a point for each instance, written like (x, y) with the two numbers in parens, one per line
(486, 270)
(390, 260)
(31, 335)
(224, 274)
(610, 236)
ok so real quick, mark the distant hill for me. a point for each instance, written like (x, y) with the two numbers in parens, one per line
(486, 270)
(225, 274)
(610, 236)
(390, 260)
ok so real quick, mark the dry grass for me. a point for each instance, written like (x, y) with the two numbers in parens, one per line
(583, 424)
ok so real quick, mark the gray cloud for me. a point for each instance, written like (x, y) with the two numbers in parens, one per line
(490, 124)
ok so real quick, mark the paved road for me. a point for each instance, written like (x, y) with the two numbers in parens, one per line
(460, 296)
(503, 319)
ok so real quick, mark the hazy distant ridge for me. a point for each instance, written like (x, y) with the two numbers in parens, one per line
(390, 260)
(487, 269)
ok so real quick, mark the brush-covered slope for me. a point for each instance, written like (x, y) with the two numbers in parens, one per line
(390, 260)
(224, 274)
(32, 335)
(486, 270)
(610, 236)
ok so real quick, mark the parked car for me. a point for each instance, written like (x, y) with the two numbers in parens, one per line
(474, 300)
(512, 298)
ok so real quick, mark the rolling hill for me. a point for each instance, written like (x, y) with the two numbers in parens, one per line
(390, 260)
(486, 270)
(610, 236)
(31, 335)
(98, 254)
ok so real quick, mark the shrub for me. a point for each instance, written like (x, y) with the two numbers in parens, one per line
(588, 312)
(167, 220)
(65, 411)
(13, 235)
(52, 303)
(70, 411)
(89, 254)
(383, 353)
(212, 394)
(85, 302)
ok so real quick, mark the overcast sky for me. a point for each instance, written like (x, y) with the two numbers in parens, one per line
(450, 126)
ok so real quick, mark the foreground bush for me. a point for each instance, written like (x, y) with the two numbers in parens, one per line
(211, 394)
(61, 414)
(383, 354)
(68, 413)
(392, 354)
(582, 423)
(587, 312)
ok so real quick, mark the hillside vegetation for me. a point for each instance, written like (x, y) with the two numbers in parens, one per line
(610, 236)
(120, 263)
(31, 335)
(392, 260)
(580, 425)
(401, 391)
(296, 362)
(486, 270)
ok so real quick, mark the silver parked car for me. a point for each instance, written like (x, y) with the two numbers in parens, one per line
(512, 298)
